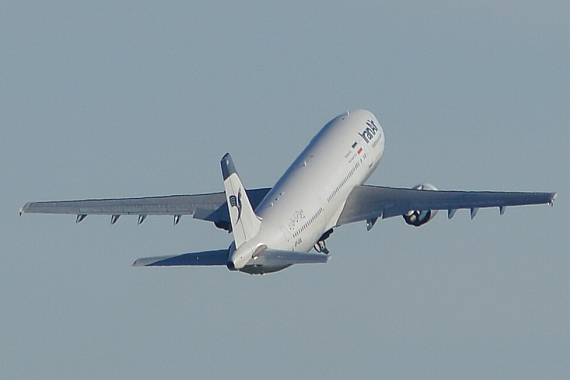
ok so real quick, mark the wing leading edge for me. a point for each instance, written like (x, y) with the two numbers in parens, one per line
(371, 202)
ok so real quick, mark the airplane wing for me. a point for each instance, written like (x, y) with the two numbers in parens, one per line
(211, 206)
(371, 202)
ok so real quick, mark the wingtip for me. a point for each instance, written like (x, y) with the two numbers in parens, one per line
(139, 263)
(24, 208)
(552, 198)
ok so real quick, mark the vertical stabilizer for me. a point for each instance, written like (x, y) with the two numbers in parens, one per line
(245, 224)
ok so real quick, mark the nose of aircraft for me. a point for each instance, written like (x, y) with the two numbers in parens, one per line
(231, 266)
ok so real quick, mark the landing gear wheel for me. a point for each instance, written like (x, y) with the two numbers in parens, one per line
(321, 247)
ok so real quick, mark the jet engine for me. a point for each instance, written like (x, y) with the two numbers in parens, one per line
(420, 217)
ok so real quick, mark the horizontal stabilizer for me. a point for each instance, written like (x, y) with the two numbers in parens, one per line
(276, 257)
(218, 257)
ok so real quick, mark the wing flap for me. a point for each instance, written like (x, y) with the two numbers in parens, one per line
(369, 202)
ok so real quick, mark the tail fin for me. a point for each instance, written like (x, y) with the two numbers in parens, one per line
(245, 224)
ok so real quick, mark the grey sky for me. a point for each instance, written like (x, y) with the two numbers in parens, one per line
(117, 99)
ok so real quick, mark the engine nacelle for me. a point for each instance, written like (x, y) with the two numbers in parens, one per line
(420, 217)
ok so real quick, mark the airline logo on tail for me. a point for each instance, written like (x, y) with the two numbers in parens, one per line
(236, 202)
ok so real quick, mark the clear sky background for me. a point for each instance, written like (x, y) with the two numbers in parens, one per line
(132, 98)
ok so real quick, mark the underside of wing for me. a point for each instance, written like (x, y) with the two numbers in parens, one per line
(371, 202)
(210, 206)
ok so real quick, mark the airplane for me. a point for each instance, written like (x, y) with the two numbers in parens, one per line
(274, 228)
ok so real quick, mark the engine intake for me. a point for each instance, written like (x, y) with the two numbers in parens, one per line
(418, 218)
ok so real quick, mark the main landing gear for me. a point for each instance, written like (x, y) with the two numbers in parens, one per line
(321, 246)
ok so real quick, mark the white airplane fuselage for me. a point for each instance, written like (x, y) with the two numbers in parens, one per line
(308, 199)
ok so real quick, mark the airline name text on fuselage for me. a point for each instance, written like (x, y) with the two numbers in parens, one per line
(370, 131)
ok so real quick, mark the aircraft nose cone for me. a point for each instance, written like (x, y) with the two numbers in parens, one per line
(231, 265)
